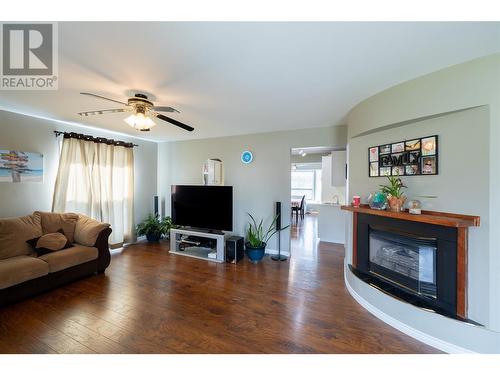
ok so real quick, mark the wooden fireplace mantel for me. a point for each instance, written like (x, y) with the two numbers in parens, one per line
(431, 217)
(459, 221)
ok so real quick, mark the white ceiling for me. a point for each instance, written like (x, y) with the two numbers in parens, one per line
(240, 78)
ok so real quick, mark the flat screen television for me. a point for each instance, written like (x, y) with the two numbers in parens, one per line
(205, 207)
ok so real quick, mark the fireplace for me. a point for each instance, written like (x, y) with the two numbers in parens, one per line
(420, 259)
(404, 259)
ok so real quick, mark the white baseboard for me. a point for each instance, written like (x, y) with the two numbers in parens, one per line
(435, 342)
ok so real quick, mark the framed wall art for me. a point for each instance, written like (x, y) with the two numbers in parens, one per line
(413, 157)
(20, 166)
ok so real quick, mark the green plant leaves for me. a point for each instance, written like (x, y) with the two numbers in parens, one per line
(394, 188)
(154, 225)
(256, 234)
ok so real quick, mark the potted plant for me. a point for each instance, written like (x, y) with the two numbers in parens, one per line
(394, 193)
(257, 238)
(154, 227)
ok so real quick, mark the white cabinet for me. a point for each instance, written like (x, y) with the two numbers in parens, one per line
(326, 177)
(338, 168)
(331, 223)
(333, 176)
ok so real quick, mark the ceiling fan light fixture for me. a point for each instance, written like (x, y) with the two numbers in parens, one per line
(140, 122)
(143, 111)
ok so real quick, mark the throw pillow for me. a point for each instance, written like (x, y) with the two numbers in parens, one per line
(49, 243)
(87, 230)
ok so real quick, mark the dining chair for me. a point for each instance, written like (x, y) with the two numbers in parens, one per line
(299, 210)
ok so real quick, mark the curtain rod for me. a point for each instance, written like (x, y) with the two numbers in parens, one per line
(94, 139)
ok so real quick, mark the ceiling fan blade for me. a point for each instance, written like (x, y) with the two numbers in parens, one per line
(161, 108)
(102, 97)
(174, 122)
(102, 111)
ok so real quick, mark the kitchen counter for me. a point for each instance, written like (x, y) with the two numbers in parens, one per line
(331, 222)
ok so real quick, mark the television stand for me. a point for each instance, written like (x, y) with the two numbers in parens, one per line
(202, 230)
(197, 244)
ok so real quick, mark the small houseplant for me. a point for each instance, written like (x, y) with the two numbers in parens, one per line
(257, 238)
(154, 227)
(394, 192)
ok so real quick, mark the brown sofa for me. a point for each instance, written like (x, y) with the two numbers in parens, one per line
(23, 273)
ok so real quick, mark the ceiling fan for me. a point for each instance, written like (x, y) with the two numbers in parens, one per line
(142, 110)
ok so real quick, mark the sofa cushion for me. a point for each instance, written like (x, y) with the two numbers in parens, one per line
(52, 222)
(14, 232)
(87, 230)
(49, 242)
(22, 268)
(62, 259)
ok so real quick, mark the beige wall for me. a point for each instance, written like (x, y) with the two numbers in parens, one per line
(24, 133)
(462, 105)
(257, 185)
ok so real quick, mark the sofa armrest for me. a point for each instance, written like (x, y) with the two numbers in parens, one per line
(90, 232)
(102, 246)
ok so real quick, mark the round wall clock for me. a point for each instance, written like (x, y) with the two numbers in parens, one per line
(246, 157)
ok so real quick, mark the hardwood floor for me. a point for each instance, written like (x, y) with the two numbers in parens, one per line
(149, 301)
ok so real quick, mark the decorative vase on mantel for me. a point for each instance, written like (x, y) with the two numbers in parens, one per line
(394, 193)
(396, 204)
(377, 201)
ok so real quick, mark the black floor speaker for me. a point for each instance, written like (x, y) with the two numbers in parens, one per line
(235, 250)
(278, 233)
(155, 205)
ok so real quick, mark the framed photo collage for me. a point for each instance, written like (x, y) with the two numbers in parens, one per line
(413, 157)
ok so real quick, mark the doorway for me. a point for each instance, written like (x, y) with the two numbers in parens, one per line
(313, 196)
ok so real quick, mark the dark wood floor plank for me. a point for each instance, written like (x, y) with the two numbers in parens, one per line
(127, 320)
(178, 325)
(14, 339)
(278, 317)
(105, 322)
(25, 320)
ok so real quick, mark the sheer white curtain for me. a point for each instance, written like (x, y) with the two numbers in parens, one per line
(97, 180)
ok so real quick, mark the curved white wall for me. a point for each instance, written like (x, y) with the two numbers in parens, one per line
(462, 105)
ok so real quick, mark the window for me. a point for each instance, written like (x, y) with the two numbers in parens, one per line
(304, 182)
(97, 180)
